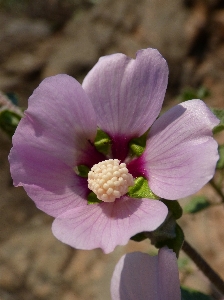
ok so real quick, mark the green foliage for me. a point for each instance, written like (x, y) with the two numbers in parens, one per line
(190, 93)
(139, 237)
(189, 294)
(82, 170)
(220, 164)
(9, 121)
(141, 189)
(92, 198)
(168, 234)
(198, 203)
(220, 115)
(137, 145)
(102, 142)
(174, 207)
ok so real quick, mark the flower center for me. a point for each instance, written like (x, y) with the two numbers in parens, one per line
(109, 180)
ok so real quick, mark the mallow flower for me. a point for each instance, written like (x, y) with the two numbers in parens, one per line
(56, 158)
(141, 276)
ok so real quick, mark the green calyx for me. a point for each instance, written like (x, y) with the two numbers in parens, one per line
(92, 198)
(141, 189)
(102, 142)
(137, 145)
(82, 171)
(9, 121)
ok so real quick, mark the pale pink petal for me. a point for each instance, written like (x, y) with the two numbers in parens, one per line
(181, 155)
(50, 140)
(169, 285)
(59, 120)
(140, 276)
(127, 94)
(49, 182)
(107, 225)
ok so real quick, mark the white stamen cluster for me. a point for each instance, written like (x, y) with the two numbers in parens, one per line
(109, 180)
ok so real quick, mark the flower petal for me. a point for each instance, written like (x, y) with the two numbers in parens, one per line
(151, 281)
(107, 225)
(50, 140)
(59, 120)
(127, 94)
(181, 155)
(49, 182)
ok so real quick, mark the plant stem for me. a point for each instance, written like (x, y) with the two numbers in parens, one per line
(204, 267)
(217, 189)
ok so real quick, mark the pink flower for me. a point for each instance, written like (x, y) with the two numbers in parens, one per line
(123, 97)
(140, 276)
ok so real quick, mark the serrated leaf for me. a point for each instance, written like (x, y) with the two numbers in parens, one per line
(102, 142)
(174, 207)
(141, 189)
(9, 121)
(220, 115)
(82, 171)
(137, 145)
(190, 294)
(198, 203)
(92, 198)
(220, 163)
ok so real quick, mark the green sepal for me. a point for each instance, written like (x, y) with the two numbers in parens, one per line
(9, 121)
(92, 198)
(198, 203)
(139, 237)
(174, 207)
(141, 189)
(219, 113)
(102, 142)
(82, 170)
(137, 145)
(168, 234)
(220, 163)
(190, 294)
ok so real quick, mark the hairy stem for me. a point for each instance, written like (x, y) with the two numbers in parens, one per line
(204, 267)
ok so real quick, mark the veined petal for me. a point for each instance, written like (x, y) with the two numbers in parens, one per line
(151, 281)
(50, 140)
(59, 120)
(107, 225)
(50, 183)
(127, 94)
(181, 155)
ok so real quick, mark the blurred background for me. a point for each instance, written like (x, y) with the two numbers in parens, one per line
(40, 38)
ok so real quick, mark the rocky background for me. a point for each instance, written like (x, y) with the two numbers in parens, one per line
(46, 37)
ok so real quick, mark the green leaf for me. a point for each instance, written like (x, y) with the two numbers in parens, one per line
(176, 243)
(220, 115)
(141, 189)
(9, 121)
(102, 142)
(190, 294)
(174, 207)
(92, 198)
(220, 164)
(168, 234)
(137, 145)
(190, 93)
(198, 203)
(139, 237)
(82, 170)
